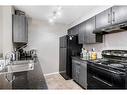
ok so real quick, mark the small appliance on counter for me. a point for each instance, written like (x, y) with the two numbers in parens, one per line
(110, 72)
(24, 55)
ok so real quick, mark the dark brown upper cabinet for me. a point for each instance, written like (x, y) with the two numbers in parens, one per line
(100, 24)
(104, 19)
(82, 33)
(86, 35)
(111, 20)
(119, 14)
(70, 32)
(74, 30)
(20, 29)
(90, 26)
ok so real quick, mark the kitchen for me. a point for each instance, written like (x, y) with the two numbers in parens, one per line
(47, 53)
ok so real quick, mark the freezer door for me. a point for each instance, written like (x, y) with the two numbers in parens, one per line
(62, 65)
(63, 41)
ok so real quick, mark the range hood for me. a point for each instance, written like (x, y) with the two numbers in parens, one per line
(112, 29)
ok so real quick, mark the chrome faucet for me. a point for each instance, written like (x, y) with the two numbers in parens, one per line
(9, 58)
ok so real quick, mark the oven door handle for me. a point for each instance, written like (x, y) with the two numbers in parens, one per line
(102, 81)
(118, 73)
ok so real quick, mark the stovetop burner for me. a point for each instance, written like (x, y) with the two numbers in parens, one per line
(111, 69)
(112, 64)
(117, 65)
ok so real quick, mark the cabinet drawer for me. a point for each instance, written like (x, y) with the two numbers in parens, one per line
(20, 81)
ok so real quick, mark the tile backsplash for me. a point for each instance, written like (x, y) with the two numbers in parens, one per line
(110, 41)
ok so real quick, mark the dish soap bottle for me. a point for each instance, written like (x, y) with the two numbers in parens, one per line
(84, 53)
(81, 54)
(87, 55)
(93, 54)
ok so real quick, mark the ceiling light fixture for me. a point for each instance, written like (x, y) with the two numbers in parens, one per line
(59, 8)
(51, 20)
(57, 13)
(54, 17)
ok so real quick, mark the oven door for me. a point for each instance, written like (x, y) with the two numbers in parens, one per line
(102, 78)
(97, 83)
(98, 80)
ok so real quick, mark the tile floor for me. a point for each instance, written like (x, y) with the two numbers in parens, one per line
(57, 82)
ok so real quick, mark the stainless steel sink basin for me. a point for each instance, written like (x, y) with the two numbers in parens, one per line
(4, 70)
(21, 62)
(19, 66)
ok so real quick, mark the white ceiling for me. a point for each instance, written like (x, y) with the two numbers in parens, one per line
(69, 13)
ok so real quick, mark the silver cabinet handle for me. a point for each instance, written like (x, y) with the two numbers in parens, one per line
(113, 13)
(108, 18)
(102, 81)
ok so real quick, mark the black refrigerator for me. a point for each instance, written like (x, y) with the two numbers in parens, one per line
(68, 47)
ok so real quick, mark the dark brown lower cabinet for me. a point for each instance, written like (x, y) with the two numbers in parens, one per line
(20, 81)
(33, 79)
(79, 72)
(4, 83)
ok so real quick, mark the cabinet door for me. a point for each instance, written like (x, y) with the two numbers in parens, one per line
(1, 81)
(36, 79)
(19, 29)
(20, 81)
(119, 14)
(87, 32)
(73, 31)
(90, 26)
(81, 34)
(26, 30)
(70, 32)
(4, 82)
(73, 70)
(76, 70)
(76, 30)
(62, 68)
(103, 19)
(83, 75)
(63, 41)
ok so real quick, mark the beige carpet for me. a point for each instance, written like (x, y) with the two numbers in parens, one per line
(57, 82)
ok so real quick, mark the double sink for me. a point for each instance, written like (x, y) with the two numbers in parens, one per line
(18, 66)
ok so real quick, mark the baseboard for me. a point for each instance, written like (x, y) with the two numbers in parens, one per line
(51, 73)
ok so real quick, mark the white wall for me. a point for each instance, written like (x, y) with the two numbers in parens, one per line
(45, 38)
(7, 29)
(1, 51)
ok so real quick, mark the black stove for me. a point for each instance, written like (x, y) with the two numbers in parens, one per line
(110, 72)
